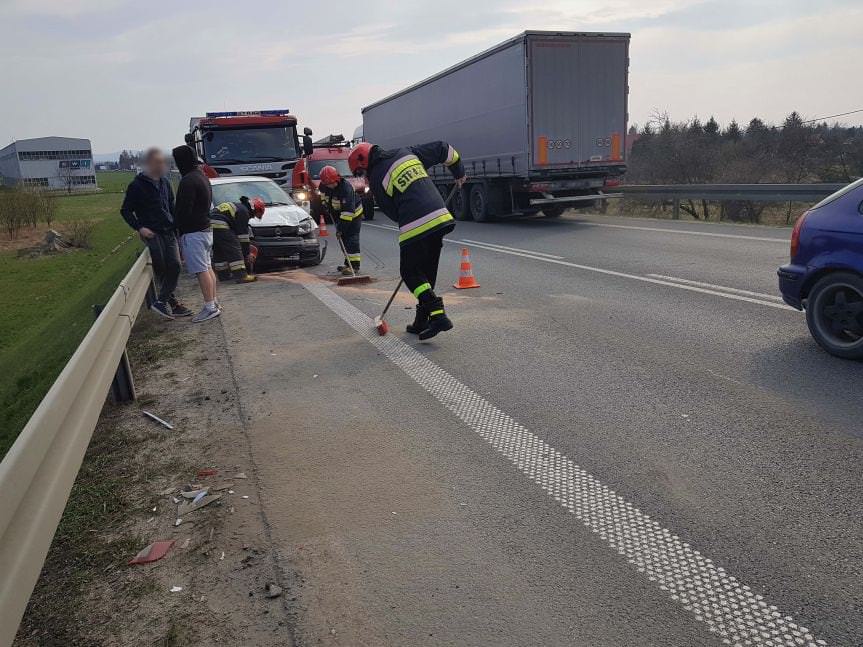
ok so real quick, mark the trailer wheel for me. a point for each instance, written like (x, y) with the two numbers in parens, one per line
(458, 205)
(479, 206)
(553, 211)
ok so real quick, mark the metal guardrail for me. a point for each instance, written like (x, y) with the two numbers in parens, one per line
(730, 192)
(38, 472)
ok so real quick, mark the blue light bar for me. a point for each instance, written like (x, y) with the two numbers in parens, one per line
(249, 113)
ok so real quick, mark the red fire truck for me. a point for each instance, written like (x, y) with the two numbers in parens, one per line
(261, 142)
(332, 150)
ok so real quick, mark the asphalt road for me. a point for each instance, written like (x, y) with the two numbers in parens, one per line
(627, 439)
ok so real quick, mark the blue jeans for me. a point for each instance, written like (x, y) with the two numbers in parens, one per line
(166, 263)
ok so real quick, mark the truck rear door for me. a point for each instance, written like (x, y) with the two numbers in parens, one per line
(578, 93)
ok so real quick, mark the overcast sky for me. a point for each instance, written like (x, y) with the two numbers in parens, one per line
(130, 74)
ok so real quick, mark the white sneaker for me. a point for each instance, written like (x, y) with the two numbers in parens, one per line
(206, 314)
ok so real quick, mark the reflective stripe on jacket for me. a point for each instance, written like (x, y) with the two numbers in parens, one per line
(406, 194)
(343, 203)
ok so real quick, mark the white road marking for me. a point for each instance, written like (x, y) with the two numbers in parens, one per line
(512, 249)
(667, 230)
(759, 295)
(723, 603)
(625, 275)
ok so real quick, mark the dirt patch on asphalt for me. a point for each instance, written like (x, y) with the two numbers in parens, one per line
(212, 586)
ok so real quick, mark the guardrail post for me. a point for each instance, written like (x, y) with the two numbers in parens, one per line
(675, 210)
(123, 385)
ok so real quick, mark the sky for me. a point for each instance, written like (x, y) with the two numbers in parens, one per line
(130, 74)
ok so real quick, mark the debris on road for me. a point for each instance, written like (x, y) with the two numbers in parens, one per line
(193, 494)
(153, 552)
(153, 416)
(208, 471)
(176, 589)
(242, 475)
(273, 590)
(197, 505)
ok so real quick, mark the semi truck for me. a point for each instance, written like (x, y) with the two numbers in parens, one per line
(259, 142)
(539, 121)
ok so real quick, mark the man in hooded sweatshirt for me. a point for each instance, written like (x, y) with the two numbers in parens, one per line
(192, 218)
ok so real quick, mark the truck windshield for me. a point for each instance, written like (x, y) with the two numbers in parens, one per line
(341, 165)
(267, 190)
(272, 144)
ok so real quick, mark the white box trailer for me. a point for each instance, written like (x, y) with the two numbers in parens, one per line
(539, 120)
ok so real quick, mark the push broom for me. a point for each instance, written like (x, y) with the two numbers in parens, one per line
(354, 278)
(382, 326)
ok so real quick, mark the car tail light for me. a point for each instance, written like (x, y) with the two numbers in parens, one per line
(795, 235)
(612, 181)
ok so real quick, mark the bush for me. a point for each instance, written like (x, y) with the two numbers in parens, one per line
(79, 233)
(20, 206)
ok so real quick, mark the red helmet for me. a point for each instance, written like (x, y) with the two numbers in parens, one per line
(359, 157)
(329, 175)
(258, 207)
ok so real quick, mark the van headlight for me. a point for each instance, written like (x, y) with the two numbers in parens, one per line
(305, 227)
(301, 196)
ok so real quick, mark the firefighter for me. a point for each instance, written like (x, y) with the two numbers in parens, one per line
(231, 246)
(339, 198)
(405, 193)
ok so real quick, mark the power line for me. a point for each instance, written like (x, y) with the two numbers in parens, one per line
(841, 114)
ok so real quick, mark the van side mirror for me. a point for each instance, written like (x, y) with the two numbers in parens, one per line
(308, 148)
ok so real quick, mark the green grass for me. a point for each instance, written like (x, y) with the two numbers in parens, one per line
(46, 303)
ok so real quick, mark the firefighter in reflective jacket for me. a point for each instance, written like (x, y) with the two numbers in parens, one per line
(231, 246)
(345, 206)
(405, 193)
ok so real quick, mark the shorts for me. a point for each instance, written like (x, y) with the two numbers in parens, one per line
(197, 249)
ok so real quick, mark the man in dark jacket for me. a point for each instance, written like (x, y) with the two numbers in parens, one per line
(148, 208)
(192, 218)
(406, 194)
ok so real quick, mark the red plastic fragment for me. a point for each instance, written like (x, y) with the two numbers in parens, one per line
(207, 472)
(152, 553)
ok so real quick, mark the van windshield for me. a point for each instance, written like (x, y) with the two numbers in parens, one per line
(268, 191)
(271, 144)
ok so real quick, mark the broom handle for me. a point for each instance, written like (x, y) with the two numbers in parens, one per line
(398, 287)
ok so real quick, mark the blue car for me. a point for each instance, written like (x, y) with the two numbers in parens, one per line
(825, 275)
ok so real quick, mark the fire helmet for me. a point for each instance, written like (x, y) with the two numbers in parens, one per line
(359, 157)
(329, 175)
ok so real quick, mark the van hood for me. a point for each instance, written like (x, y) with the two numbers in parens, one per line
(281, 216)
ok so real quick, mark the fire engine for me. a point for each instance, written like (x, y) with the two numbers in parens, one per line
(332, 150)
(261, 142)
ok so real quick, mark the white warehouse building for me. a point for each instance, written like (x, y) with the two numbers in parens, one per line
(60, 163)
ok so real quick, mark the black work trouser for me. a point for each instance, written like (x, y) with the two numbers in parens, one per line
(419, 262)
(350, 234)
(165, 254)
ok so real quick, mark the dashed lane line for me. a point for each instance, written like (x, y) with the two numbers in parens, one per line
(725, 288)
(680, 284)
(728, 607)
(512, 249)
(667, 230)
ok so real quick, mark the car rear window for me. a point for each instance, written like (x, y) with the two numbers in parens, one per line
(843, 191)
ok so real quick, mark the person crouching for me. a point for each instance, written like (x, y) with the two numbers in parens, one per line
(231, 245)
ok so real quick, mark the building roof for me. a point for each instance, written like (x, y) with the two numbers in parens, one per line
(49, 144)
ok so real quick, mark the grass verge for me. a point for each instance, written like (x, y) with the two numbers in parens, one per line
(46, 302)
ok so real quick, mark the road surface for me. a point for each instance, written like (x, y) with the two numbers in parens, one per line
(627, 439)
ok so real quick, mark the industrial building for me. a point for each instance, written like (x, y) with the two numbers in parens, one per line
(55, 163)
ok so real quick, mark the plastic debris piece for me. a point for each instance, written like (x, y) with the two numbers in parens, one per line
(152, 553)
(245, 496)
(200, 496)
(230, 491)
(153, 416)
(191, 507)
(209, 471)
(176, 589)
(192, 494)
(222, 556)
(175, 500)
(240, 475)
(178, 522)
(186, 542)
(273, 590)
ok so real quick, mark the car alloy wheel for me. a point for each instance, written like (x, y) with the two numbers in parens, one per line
(835, 314)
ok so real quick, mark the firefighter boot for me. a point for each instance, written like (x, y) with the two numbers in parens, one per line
(438, 321)
(420, 321)
(247, 278)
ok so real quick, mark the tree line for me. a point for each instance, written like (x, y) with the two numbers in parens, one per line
(692, 152)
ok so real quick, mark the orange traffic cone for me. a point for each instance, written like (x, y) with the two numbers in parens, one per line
(323, 227)
(465, 276)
